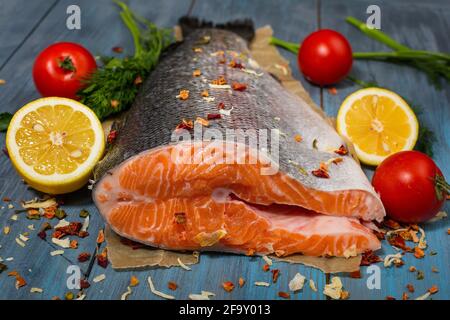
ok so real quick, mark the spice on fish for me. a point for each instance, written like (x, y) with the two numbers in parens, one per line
(298, 138)
(219, 81)
(341, 151)
(205, 94)
(112, 136)
(196, 73)
(185, 124)
(180, 217)
(213, 116)
(321, 173)
(234, 64)
(202, 121)
(183, 95)
(237, 86)
(228, 286)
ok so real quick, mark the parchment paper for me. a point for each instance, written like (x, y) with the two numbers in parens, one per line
(267, 56)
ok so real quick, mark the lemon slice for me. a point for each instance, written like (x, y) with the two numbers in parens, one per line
(54, 143)
(378, 122)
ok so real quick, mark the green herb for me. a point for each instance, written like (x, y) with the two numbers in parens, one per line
(113, 87)
(84, 213)
(426, 137)
(60, 214)
(420, 275)
(433, 253)
(5, 118)
(436, 65)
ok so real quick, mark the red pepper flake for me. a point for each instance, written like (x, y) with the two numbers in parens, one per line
(266, 267)
(138, 80)
(380, 235)
(355, 274)
(228, 286)
(102, 259)
(183, 95)
(397, 241)
(50, 212)
(341, 151)
(196, 73)
(185, 124)
(405, 296)
(298, 138)
(72, 229)
(369, 257)
(42, 235)
(237, 86)
(332, 90)
(20, 281)
(180, 217)
(234, 64)
(84, 284)
(410, 287)
(345, 295)
(213, 116)
(390, 298)
(172, 285)
(219, 81)
(6, 199)
(114, 103)
(205, 93)
(202, 121)
(433, 289)
(412, 269)
(83, 234)
(134, 281)
(73, 244)
(100, 237)
(250, 252)
(241, 282)
(84, 256)
(112, 136)
(418, 253)
(284, 295)
(117, 49)
(275, 275)
(320, 173)
(221, 105)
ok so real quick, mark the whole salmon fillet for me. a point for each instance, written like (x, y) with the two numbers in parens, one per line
(294, 190)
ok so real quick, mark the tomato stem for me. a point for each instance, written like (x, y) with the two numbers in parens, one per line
(66, 64)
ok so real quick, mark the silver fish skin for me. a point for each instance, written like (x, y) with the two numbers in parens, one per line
(265, 104)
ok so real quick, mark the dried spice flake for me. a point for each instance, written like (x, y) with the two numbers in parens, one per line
(241, 282)
(213, 116)
(205, 94)
(185, 124)
(172, 285)
(228, 286)
(202, 121)
(341, 151)
(284, 295)
(237, 86)
(196, 73)
(84, 256)
(405, 296)
(298, 138)
(433, 289)
(275, 275)
(183, 95)
(219, 81)
(410, 287)
(266, 267)
(134, 281)
(418, 253)
(321, 173)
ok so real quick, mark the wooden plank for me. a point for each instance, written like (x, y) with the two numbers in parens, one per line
(421, 25)
(217, 268)
(16, 24)
(99, 33)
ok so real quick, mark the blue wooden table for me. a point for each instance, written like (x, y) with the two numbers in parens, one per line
(26, 27)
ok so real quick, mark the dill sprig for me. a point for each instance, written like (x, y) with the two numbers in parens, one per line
(426, 137)
(113, 87)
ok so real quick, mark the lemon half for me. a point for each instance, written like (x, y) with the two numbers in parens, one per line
(378, 122)
(54, 143)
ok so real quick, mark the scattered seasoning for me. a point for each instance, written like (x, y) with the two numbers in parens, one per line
(298, 138)
(398, 242)
(320, 173)
(433, 289)
(412, 269)
(138, 80)
(20, 281)
(221, 105)
(183, 95)
(390, 298)
(275, 275)
(60, 214)
(405, 296)
(205, 93)
(284, 295)
(332, 90)
(203, 296)
(228, 286)
(180, 217)
(410, 287)
(266, 267)
(434, 269)
(213, 116)
(267, 260)
(345, 295)
(420, 275)
(73, 244)
(202, 121)
(3, 267)
(117, 49)
(114, 103)
(355, 274)
(69, 296)
(219, 81)
(341, 151)
(36, 290)
(433, 253)
(197, 50)
(112, 136)
(418, 253)
(237, 86)
(134, 281)
(203, 40)
(84, 256)
(57, 253)
(100, 237)
(391, 224)
(392, 258)
(234, 64)
(241, 282)
(84, 284)
(172, 285)
(102, 259)
(185, 124)
(2, 82)
(84, 213)
(369, 257)
(196, 73)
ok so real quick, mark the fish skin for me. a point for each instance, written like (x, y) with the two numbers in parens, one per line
(156, 112)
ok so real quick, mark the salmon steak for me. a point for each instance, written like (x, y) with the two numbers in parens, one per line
(216, 155)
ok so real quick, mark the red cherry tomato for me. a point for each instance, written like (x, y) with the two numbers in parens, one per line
(60, 69)
(411, 186)
(325, 57)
